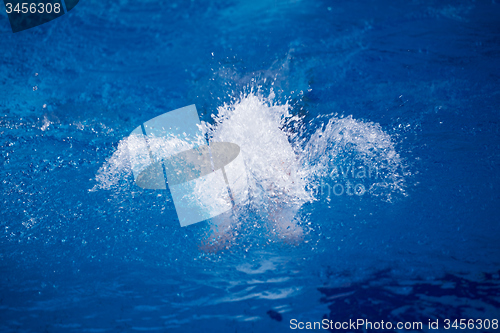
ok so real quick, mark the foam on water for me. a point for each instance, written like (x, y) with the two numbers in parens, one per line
(284, 169)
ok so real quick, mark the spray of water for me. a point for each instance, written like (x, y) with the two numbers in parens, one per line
(350, 149)
(284, 170)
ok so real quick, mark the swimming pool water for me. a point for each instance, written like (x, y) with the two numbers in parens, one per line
(407, 91)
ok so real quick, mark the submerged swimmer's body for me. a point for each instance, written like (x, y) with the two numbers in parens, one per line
(277, 209)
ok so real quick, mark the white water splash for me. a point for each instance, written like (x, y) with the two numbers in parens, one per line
(350, 148)
(257, 125)
(131, 151)
(115, 168)
(283, 170)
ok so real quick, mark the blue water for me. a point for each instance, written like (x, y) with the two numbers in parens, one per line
(408, 88)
